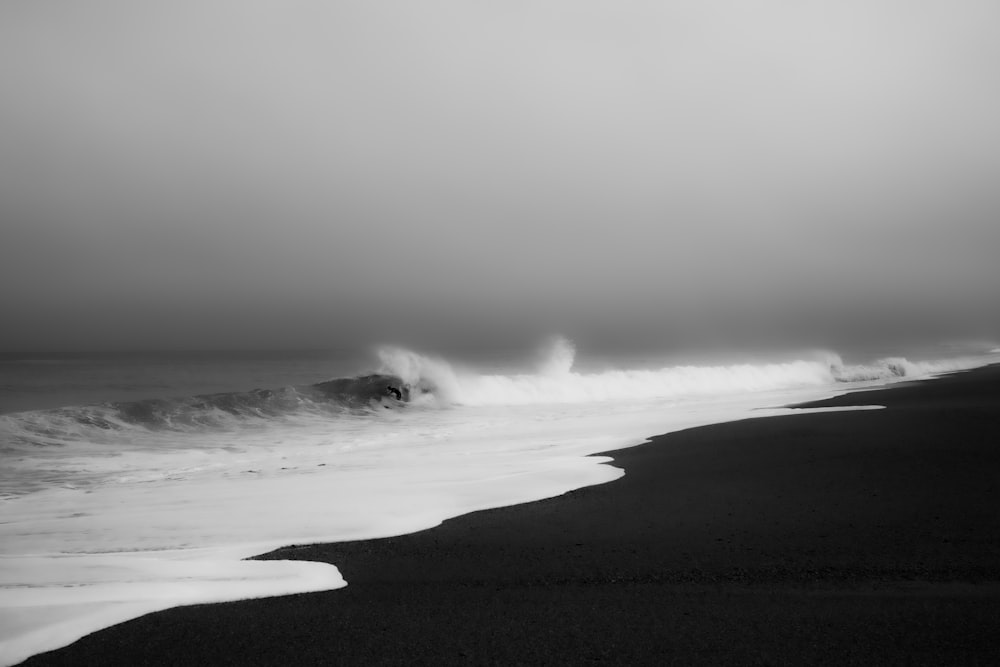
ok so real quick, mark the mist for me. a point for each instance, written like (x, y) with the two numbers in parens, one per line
(311, 174)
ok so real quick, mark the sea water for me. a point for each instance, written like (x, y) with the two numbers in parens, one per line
(132, 483)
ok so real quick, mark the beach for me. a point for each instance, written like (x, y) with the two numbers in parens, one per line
(835, 537)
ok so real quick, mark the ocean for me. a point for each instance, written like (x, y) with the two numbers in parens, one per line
(133, 482)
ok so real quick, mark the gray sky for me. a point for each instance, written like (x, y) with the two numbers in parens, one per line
(296, 173)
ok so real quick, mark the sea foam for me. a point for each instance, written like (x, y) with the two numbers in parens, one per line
(555, 382)
(130, 515)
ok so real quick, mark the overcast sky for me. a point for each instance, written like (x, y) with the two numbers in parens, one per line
(295, 173)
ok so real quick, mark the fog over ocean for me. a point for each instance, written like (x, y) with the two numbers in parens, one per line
(261, 175)
(279, 272)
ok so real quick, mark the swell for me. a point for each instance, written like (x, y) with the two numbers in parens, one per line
(107, 422)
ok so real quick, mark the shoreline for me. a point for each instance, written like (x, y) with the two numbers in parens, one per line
(856, 536)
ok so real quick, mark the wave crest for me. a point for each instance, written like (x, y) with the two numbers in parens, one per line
(118, 421)
(406, 376)
(558, 355)
(890, 368)
(555, 381)
(426, 378)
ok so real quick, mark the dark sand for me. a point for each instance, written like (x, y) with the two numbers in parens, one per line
(868, 537)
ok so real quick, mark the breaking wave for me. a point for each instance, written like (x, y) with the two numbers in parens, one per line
(110, 422)
(554, 381)
(406, 378)
(897, 367)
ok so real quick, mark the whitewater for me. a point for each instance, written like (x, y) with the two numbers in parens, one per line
(113, 509)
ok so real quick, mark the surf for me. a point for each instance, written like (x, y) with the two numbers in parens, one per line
(407, 378)
(555, 381)
(126, 500)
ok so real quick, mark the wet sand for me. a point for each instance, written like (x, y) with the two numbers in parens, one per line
(867, 537)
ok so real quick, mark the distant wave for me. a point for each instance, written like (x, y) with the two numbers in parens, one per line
(896, 367)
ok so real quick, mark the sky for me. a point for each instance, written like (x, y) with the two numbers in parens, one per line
(297, 173)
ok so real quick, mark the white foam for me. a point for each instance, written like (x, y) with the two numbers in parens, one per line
(899, 367)
(73, 561)
(556, 382)
(558, 356)
(151, 530)
(90, 592)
